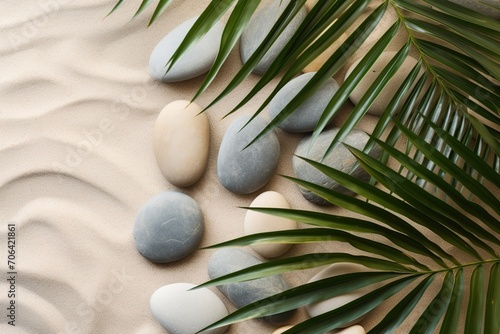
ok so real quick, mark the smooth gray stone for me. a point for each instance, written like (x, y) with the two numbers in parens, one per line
(258, 28)
(168, 227)
(479, 7)
(244, 171)
(307, 115)
(196, 61)
(228, 260)
(339, 158)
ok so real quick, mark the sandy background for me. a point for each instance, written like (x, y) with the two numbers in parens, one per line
(77, 109)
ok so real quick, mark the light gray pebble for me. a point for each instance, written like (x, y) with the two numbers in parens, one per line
(245, 170)
(196, 61)
(258, 28)
(228, 260)
(307, 115)
(339, 158)
(168, 227)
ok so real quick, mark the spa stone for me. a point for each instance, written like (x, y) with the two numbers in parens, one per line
(168, 227)
(307, 115)
(181, 310)
(258, 28)
(339, 158)
(229, 260)
(257, 222)
(181, 140)
(196, 61)
(245, 170)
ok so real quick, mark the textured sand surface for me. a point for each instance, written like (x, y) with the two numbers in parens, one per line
(77, 110)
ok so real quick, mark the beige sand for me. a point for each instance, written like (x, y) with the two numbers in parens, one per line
(77, 109)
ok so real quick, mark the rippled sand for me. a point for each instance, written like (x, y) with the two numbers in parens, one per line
(77, 109)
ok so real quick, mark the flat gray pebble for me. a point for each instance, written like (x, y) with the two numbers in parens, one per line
(339, 158)
(258, 28)
(196, 61)
(168, 227)
(244, 171)
(307, 115)
(228, 260)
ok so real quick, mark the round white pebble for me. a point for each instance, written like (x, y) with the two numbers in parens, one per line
(181, 311)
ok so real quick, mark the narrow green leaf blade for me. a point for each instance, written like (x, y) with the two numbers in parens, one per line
(475, 315)
(116, 6)
(160, 8)
(143, 6)
(491, 321)
(452, 316)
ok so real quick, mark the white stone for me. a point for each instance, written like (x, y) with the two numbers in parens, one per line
(181, 140)
(257, 222)
(194, 62)
(327, 305)
(181, 311)
(386, 95)
(357, 329)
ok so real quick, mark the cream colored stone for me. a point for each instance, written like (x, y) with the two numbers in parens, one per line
(357, 329)
(386, 95)
(327, 305)
(181, 139)
(316, 64)
(282, 329)
(257, 222)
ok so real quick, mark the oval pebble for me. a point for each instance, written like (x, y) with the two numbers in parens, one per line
(258, 28)
(327, 305)
(181, 140)
(228, 260)
(257, 222)
(307, 115)
(183, 311)
(245, 170)
(168, 227)
(386, 95)
(339, 158)
(356, 329)
(196, 61)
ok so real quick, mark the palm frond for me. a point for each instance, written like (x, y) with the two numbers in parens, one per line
(450, 224)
